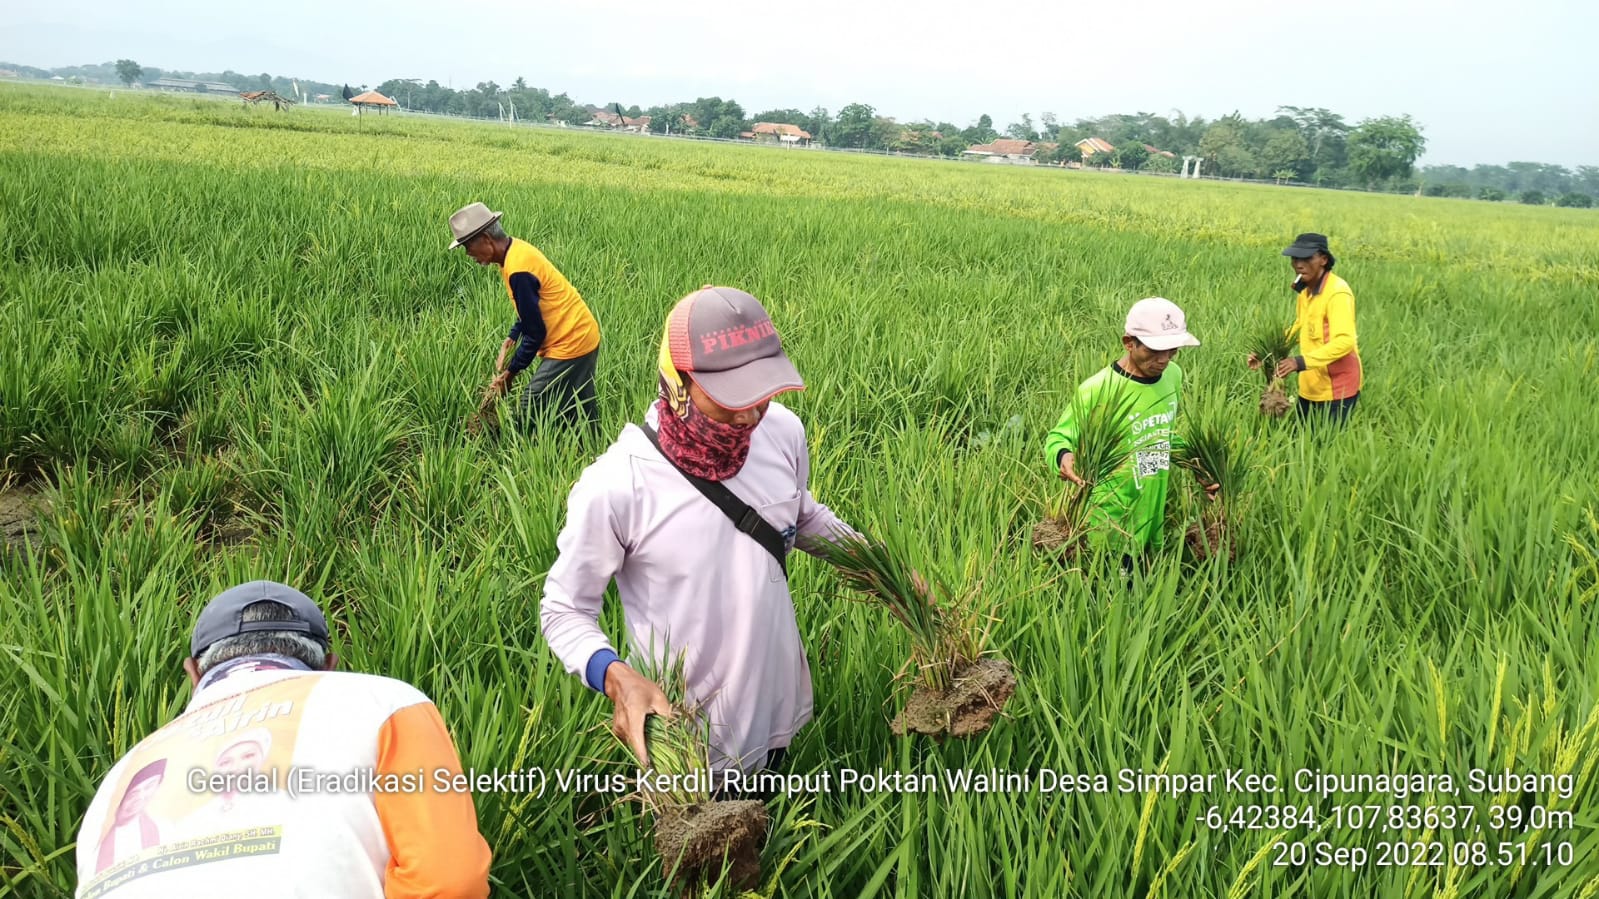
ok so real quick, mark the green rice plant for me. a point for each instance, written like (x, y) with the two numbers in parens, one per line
(444, 491)
(936, 620)
(207, 490)
(1217, 452)
(960, 693)
(234, 334)
(209, 424)
(1270, 344)
(1102, 447)
(678, 748)
(699, 839)
(127, 442)
(1213, 452)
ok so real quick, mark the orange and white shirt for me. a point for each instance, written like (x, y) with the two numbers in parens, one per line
(287, 782)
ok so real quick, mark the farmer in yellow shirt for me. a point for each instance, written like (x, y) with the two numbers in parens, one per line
(1329, 359)
(552, 322)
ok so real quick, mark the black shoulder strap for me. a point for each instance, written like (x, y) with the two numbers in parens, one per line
(743, 516)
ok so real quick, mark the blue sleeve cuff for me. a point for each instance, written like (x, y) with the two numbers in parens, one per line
(594, 672)
(526, 352)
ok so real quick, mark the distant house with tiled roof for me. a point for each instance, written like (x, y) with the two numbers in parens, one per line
(1004, 150)
(1155, 151)
(780, 132)
(604, 118)
(1093, 145)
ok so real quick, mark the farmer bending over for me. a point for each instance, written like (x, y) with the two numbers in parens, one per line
(691, 581)
(212, 809)
(1128, 509)
(552, 322)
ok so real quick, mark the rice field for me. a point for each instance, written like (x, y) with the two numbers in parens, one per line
(233, 345)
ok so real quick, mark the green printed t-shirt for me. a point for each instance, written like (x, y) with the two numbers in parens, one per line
(1127, 510)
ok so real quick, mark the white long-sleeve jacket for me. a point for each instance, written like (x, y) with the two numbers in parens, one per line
(692, 584)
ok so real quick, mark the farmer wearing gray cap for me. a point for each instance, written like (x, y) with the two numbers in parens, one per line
(1328, 363)
(693, 514)
(552, 323)
(336, 783)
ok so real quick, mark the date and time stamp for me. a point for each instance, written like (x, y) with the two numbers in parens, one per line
(1355, 837)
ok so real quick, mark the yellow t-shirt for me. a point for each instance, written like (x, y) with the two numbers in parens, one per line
(570, 330)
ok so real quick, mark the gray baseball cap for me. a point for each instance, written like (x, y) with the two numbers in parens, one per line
(222, 617)
(725, 339)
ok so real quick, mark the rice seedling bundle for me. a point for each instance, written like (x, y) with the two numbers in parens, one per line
(1217, 453)
(1101, 448)
(699, 839)
(959, 692)
(1271, 344)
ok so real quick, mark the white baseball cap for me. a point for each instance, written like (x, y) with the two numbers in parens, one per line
(1159, 324)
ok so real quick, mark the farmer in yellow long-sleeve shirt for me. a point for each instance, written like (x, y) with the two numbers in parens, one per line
(1329, 359)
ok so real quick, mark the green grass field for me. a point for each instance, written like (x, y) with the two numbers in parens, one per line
(233, 345)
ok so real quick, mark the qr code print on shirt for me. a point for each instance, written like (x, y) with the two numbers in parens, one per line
(1153, 461)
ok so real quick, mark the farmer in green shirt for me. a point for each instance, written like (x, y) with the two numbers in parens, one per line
(1128, 508)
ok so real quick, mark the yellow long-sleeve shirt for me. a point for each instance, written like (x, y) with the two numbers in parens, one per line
(1325, 323)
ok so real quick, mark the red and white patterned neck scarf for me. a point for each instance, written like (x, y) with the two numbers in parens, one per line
(701, 445)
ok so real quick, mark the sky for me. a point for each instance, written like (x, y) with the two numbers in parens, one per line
(1489, 82)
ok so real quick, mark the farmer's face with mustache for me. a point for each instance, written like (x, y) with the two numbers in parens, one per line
(1146, 363)
(1311, 269)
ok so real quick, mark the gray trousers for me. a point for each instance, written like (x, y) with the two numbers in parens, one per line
(560, 391)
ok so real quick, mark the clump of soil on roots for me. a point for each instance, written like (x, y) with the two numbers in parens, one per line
(1273, 401)
(970, 705)
(1055, 535)
(486, 420)
(1208, 539)
(20, 508)
(699, 841)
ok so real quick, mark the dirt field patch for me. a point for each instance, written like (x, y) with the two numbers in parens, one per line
(20, 510)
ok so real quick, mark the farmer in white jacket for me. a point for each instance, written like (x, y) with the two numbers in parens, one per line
(694, 584)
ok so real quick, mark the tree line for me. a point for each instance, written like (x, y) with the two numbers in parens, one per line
(1535, 183)
(130, 72)
(1306, 145)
